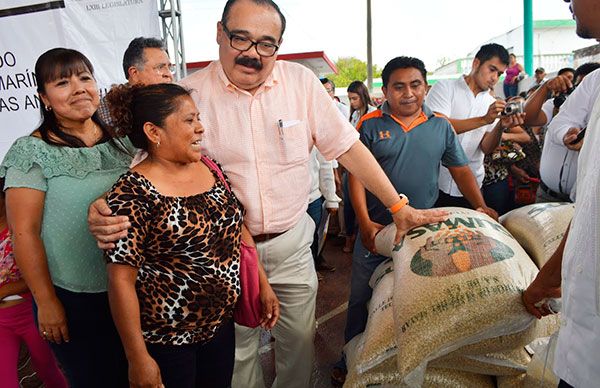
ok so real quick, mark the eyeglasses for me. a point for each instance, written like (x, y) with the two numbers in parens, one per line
(164, 67)
(241, 43)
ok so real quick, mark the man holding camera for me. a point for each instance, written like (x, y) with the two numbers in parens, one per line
(558, 164)
(475, 115)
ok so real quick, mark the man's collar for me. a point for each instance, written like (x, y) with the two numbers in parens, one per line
(466, 85)
(425, 115)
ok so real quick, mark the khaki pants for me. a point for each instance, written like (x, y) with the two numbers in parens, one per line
(288, 262)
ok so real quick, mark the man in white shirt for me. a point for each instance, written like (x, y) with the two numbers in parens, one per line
(474, 114)
(322, 191)
(575, 266)
(558, 164)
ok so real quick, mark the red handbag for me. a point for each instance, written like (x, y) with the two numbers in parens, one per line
(248, 308)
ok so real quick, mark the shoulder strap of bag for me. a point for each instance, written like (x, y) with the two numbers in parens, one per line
(213, 166)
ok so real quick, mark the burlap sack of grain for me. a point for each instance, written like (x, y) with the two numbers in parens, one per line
(447, 378)
(509, 363)
(539, 228)
(385, 375)
(544, 327)
(379, 337)
(539, 370)
(512, 381)
(455, 283)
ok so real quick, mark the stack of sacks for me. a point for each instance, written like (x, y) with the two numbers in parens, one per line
(385, 374)
(371, 356)
(539, 228)
(507, 363)
(377, 348)
(456, 297)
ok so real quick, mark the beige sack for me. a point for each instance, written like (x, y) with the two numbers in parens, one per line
(455, 283)
(508, 363)
(539, 370)
(447, 378)
(512, 381)
(539, 228)
(544, 327)
(385, 375)
(379, 337)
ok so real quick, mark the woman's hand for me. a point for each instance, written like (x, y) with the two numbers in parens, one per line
(52, 321)
(270, 306)
(144, 373)
(268, 299)
(520, 174)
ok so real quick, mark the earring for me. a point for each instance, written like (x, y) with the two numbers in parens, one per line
(48, 108)
(157, 144)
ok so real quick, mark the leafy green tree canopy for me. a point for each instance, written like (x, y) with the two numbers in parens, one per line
(351, 69)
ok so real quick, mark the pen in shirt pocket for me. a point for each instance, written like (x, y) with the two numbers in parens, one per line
(280, 126)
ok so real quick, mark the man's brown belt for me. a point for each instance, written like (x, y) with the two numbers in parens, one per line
(265, 237)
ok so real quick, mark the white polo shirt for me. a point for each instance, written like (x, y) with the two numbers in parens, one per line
(548, 109)
(577, 354)
(558, 164)
(323, 182)
(454, 99)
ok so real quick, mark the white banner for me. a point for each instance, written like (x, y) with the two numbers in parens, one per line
(100, 29)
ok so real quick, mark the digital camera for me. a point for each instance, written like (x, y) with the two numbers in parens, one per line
(560, 99)
(512, 108)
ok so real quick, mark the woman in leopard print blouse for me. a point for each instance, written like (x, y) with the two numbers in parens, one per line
(174, 279)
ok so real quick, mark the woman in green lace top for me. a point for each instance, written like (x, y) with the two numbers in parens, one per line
(51, 178)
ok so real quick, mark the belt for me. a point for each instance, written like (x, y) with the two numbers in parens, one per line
(265, 237)
(552, 193)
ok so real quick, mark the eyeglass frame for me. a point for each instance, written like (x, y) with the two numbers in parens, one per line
(160, 68)
(253, 43)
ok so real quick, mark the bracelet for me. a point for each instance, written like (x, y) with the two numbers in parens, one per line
(395, 208)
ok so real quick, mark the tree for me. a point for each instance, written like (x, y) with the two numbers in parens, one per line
(443, 61)
(351, 69)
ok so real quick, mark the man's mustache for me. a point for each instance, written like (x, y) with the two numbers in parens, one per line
(249, 62)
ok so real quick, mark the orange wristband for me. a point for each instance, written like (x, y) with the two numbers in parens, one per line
(399, 205)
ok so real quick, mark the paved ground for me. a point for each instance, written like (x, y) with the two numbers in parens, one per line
(331, 314)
